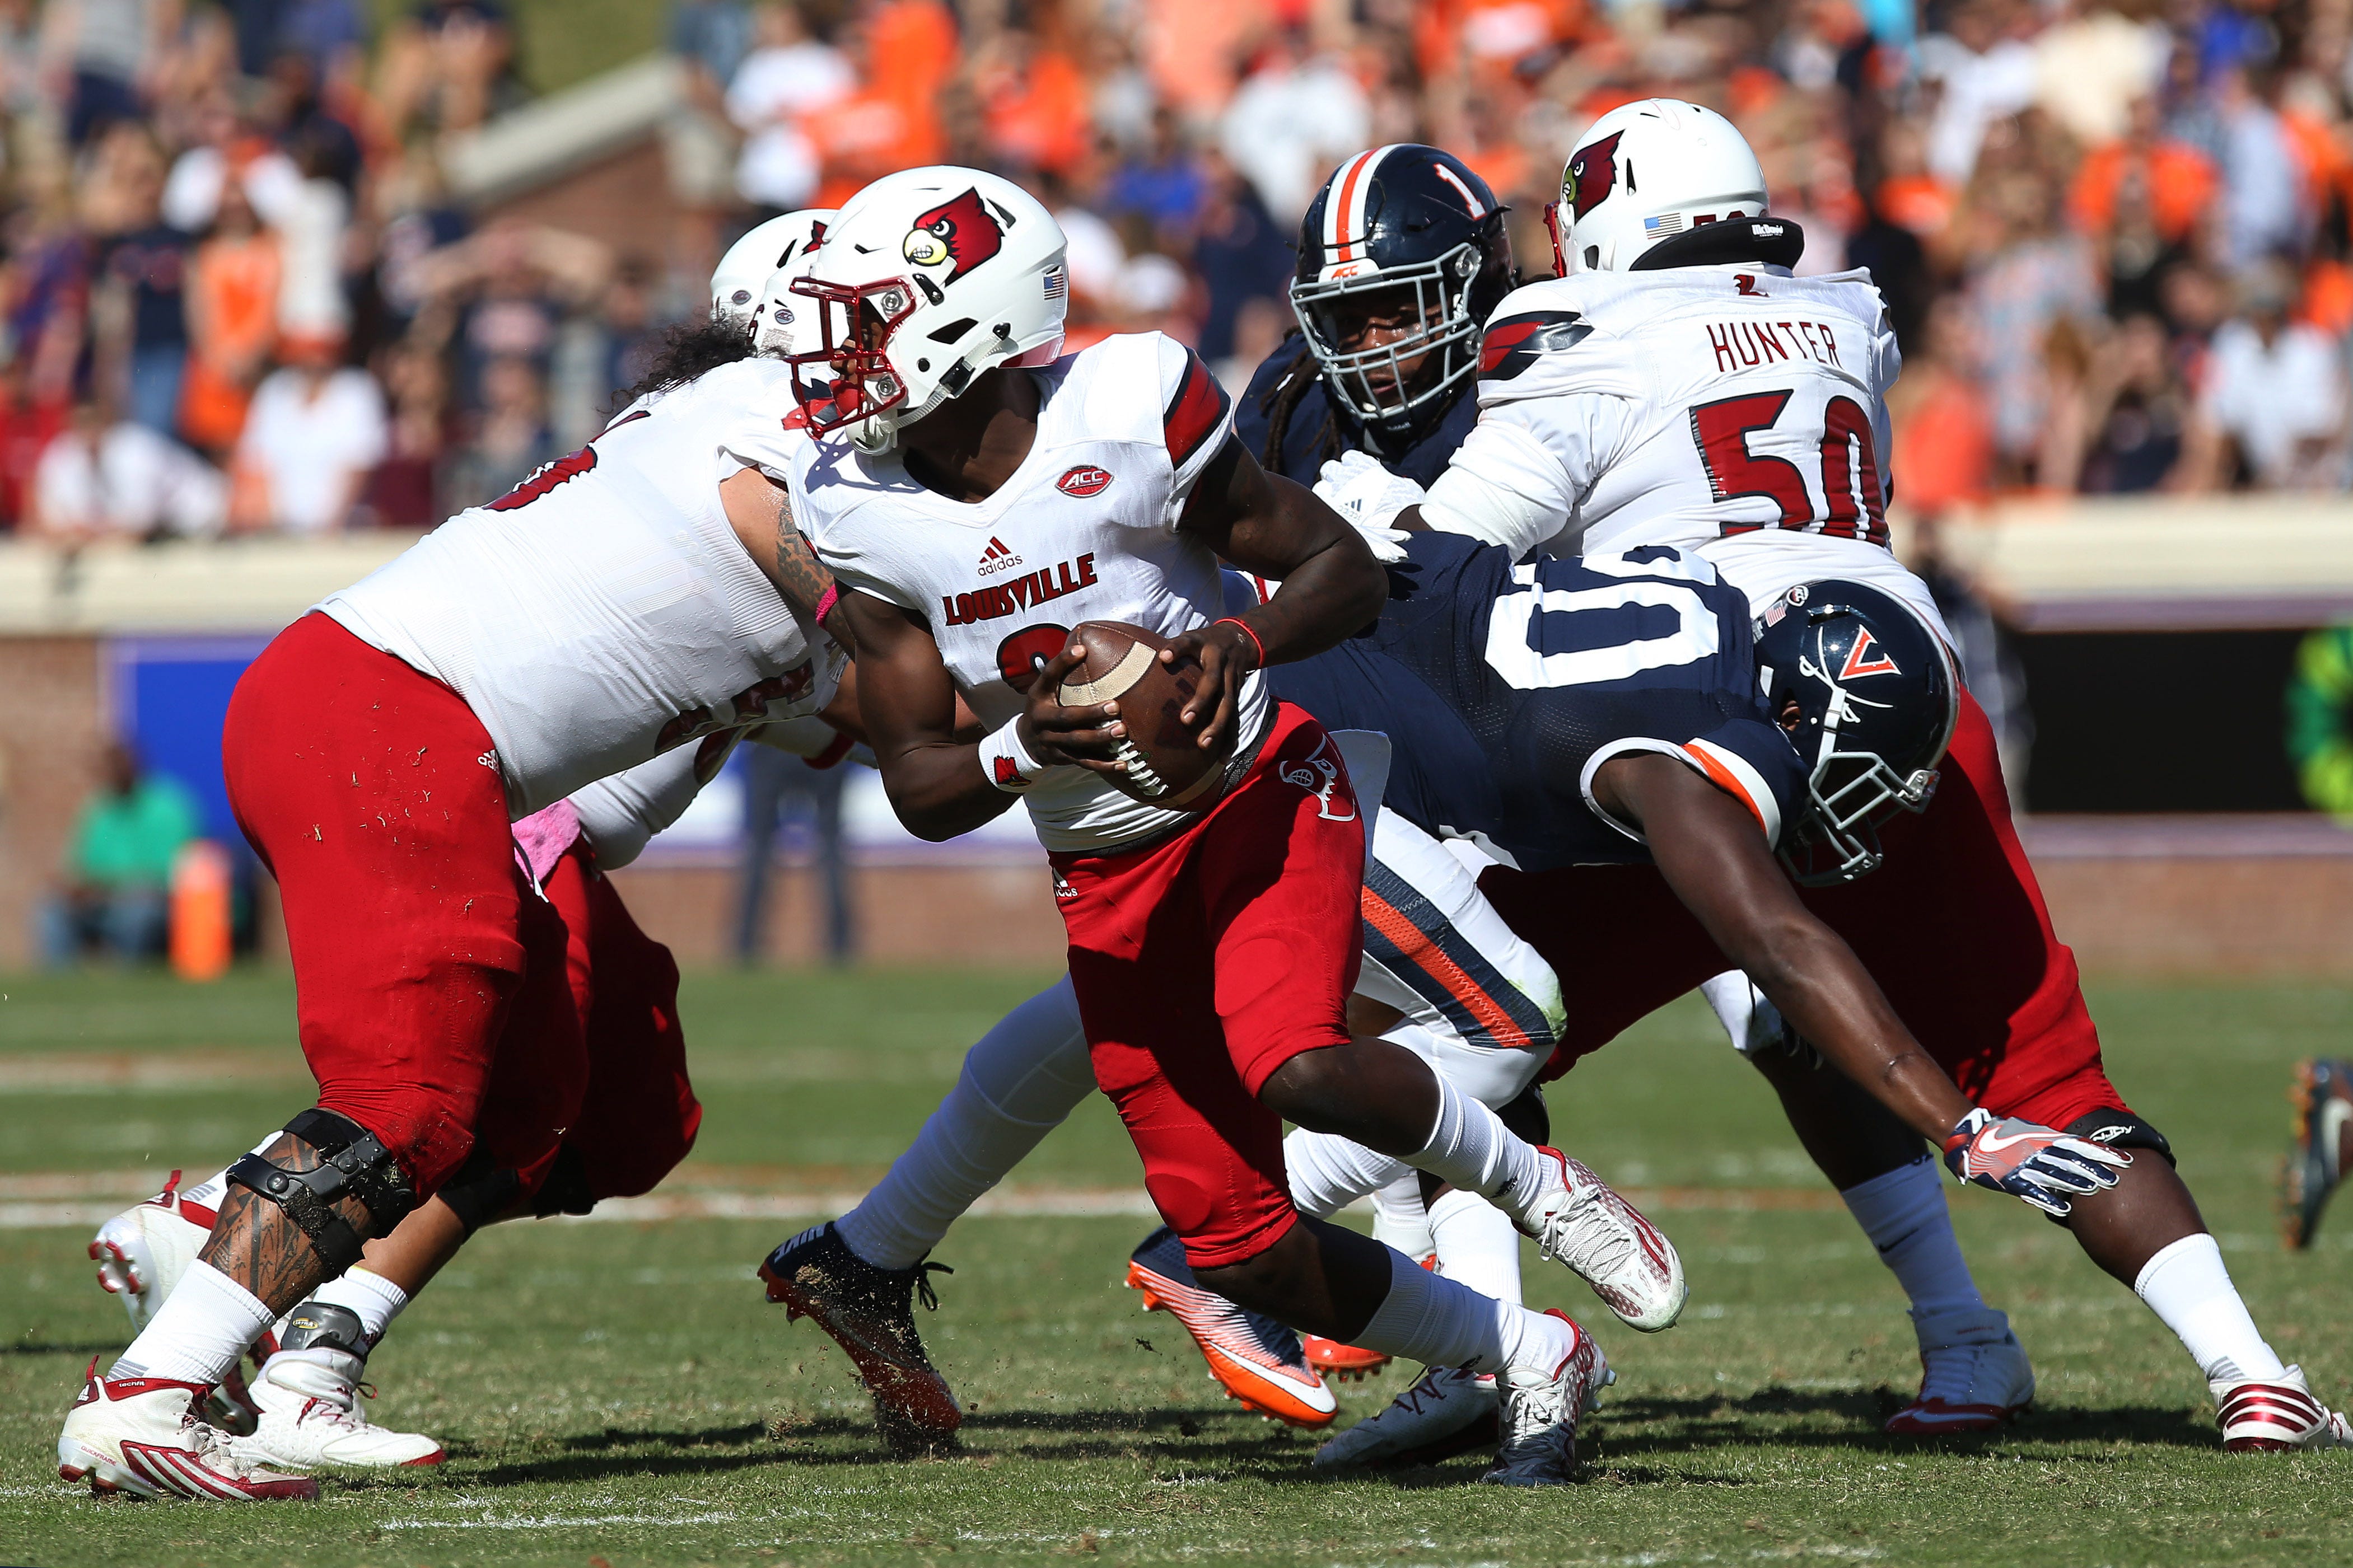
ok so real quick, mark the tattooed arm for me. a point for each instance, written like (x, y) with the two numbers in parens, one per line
(762, 516)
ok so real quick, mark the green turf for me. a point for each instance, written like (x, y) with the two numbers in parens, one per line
(621, 1393)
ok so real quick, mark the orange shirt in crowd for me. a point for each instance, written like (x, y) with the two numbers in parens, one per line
(1920, 203)
(1944, 444)
(2327, 301)
(232, 318)
(1042, 116)
(911, 52)
(2180, 180)
(1189, 49)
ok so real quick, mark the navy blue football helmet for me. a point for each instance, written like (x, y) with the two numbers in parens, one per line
(1877, 696)
(1404, 216)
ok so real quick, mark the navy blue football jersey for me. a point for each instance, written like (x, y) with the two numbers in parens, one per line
(1502, 688)
(1302, 457)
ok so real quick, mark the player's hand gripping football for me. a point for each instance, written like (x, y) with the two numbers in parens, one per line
(1226, 652)
(2033, 1163)
(1054, 735)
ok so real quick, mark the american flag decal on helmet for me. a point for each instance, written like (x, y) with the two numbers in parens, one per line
(1058, 283)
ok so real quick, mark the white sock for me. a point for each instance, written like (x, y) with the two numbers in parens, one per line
(375, 1300)
(2186, 1286)
(1476, 1244)
(1439, 1323)
(1399, 1218)
(1327, 1172)
(1472, 1149)
(1020, 1082)
(1903, 1211)
(199, 1332)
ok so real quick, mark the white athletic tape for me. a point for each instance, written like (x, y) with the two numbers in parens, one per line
(1124, 674)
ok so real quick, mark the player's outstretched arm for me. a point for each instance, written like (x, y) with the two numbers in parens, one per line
(1332, 586)
(1707, 847)
(941, 785)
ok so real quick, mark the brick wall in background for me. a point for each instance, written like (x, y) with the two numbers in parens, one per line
(51, 725)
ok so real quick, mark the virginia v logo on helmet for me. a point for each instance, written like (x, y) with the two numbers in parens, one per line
(1870, 695)
(928, 278)
(1402, 256)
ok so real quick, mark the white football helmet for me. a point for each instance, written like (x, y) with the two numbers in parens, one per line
(1647, 171)
(735, 287)
(926, 278)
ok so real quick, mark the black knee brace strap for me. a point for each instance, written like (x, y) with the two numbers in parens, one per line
(357, 1166)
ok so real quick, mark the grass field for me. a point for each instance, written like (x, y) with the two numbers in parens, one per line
(619, 1394)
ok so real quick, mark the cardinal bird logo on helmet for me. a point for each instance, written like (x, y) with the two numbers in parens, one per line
(1591, 174)
(963, 233)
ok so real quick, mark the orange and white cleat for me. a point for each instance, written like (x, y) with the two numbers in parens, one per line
(141, 1436)
(1341, 1364)
(1255, 1359)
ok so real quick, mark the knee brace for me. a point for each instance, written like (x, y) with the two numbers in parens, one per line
(354, 1164)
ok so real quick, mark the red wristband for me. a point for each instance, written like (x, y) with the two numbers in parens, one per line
(825, 601)
(1237, 621)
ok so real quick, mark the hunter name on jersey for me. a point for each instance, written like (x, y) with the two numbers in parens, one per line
(1125, 428)
(1503, 688)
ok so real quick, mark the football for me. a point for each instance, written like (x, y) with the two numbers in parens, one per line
(1165, 762)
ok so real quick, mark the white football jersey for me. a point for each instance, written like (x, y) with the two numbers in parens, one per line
(1734, 411)
(603, 611)
(1084, 531)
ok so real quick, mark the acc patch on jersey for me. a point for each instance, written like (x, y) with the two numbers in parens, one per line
(1515, 343)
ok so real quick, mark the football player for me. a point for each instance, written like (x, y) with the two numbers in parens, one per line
(1403, 257)
(1677, 387)
(2323, 1136)
(1211, 973)
(622, 602)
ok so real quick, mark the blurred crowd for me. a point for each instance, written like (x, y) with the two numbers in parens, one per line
(236, 295)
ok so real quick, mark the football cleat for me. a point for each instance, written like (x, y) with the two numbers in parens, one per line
(142, 1252)
(1341, 1364)
(2324, 1108)
(1974, 1375)
(1579, 1221)
(1539, 1416)
(308, 1404)
(1255, 1359)
(1448, 1412)
(870, 1314)
(2262, 1416)
(140, 1436)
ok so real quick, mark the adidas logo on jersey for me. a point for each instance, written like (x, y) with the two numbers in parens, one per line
(998, 558)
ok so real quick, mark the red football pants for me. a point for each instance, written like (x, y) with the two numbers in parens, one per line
(637, 1116)
(1204, 963)
(419, 949)
(1952, 926)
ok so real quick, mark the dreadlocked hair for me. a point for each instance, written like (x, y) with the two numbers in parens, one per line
(687, 351)
(1281, 400)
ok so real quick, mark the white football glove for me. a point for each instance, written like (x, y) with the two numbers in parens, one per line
(1359, 488)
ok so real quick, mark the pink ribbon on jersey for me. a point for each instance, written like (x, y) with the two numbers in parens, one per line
(541, 838)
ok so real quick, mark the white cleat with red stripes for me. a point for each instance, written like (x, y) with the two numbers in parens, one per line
(2267, 1415)
(1579, 1221)
(142, 1252)
(309, 1401)
(140, 1436)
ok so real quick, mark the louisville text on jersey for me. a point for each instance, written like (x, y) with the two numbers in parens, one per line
(1016, 594)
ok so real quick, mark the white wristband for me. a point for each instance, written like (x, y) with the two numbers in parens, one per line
(1002, 758)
